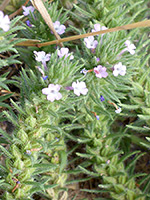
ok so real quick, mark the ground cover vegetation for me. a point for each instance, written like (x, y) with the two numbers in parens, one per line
(75, 114)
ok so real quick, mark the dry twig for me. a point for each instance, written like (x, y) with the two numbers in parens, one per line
(145, 23)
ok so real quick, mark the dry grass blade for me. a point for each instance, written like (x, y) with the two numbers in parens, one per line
(27, 42)
(145, 23)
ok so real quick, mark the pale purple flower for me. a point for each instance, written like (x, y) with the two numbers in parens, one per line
(4, 21)
(41, 56)
(52, 92)
(79, 88)
(118, 110)
(60, 29)
(90, 42)
(130, 47)
(97, 59)
(84, 71)
(100, 71)
(64, 52)
(119, 69)
(98, 27)
(27, 10)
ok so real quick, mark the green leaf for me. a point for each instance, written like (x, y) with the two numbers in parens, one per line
(19, 109)
(129, 107)
(2, 98)
(78, 180)
(123, 158)
(5, 152)
(144, 117)
(48, 166)
(88, 172)
(133, 161)
(86, 14)
(139, 129)
(4, 105)
(63, 163)
(3, 168)
(6, 135)
(83, 155)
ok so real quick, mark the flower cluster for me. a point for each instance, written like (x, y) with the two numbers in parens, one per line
(100, 71)
(90, 42)
(79, 88)
(53, 93)
(60, 28)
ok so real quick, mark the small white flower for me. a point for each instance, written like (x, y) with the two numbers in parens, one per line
(119, 69)
(79, 88)
(118, 110)
(28, 152)
(41, 56)
(52, 92)
(27, 10)
(130, 47)
(98, 27)
(60, 29)
(4, 21)
(64, 52)
(90, 42)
